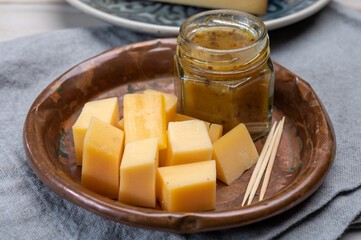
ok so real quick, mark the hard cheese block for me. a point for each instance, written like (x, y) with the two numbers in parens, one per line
(181, 117)
(138, 173)
(234, 153)
(187, 187)
(103, 148)
(215, 132)
(170, 103)
(162, 157)
(255, 6)
(145, 117)
(105, 110)
(121, 124)
(188, 142)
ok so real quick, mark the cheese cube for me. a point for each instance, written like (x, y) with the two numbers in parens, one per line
(145, 117)
(170, 103)
(138, 173)
(105, 110)
(215, 132)
(188, 142)
(121, 124)
(103, 148)
(188, 187)
(162, 157)
(234, 153)
(181, 117)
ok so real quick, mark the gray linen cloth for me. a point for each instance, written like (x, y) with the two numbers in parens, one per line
(325, 50)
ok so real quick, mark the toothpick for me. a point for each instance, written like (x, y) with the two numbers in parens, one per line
(263, 166)
(271, 162)
(259, 163)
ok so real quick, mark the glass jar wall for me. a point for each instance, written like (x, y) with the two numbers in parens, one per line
(223, 71)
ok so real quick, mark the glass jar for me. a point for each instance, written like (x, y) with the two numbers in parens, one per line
(223, 70)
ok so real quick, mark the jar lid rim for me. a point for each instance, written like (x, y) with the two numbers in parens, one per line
(260, 23)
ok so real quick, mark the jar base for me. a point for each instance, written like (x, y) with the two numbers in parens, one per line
(258, 130)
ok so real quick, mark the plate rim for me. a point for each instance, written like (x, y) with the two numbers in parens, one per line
(171, 30)
(106, 207)
(295, 17)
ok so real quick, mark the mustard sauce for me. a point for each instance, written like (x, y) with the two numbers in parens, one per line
(224, 75)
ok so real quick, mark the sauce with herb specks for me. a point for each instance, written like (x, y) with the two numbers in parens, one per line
(222, 38)
(229, 80)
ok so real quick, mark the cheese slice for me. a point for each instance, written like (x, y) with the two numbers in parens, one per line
(258, 7)
(188, 142)
(145, 117)
(234, 153)
(170, 103)
(105, 110)
(138, 173)
(188, 187)
(103, 148)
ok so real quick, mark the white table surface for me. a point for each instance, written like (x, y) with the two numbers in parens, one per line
(20, 18)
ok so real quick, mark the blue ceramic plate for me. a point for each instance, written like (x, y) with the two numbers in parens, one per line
(164, 18)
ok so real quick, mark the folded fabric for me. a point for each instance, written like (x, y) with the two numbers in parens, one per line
(324, 50)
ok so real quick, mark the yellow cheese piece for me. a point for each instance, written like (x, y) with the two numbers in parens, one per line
(188, 187)
(105, 110)
(258, 7)
(162, 157)
(121, 124)
(145, 117)
(215, 132)
(138, 172)
(170, 103)
(234, 153)
(181, 117)
(188, 142)
(103, 148)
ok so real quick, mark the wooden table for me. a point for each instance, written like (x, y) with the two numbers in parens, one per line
(20, 18)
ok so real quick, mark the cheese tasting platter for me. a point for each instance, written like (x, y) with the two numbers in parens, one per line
(165, 17)
(303, 159)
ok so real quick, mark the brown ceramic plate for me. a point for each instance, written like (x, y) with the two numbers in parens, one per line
(305, 155)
